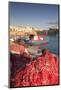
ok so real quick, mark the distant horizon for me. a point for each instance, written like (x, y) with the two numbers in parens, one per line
(36, 15)
(34, 27)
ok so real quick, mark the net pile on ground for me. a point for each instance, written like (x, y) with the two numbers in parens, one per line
(41, 71)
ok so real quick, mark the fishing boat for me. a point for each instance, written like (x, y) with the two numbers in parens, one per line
(36, 40)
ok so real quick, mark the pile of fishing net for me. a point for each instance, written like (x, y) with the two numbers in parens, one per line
(41, 71)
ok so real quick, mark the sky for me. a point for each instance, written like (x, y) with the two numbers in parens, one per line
(35, 15)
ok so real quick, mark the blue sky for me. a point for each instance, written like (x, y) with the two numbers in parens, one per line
(36, 15)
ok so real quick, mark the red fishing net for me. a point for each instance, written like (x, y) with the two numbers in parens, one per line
(41, 71)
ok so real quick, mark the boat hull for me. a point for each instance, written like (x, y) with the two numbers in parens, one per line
(37, 42)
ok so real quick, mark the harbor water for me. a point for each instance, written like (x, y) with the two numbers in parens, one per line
(53, 44)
